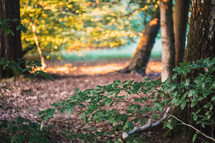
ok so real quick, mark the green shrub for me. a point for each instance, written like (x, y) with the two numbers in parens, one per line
(17, 69)
(98, 102)
(21, 130)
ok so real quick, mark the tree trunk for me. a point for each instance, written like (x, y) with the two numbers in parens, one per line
(140, 58)
(180, 27)
(38, 46)
(201, 44)
(10, 44)
(167, 36)
(201, 37)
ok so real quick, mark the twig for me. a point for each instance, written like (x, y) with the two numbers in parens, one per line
(146, 126)
(197, 130)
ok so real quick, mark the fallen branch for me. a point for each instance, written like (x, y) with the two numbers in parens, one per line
(197, 130)
(146, 126)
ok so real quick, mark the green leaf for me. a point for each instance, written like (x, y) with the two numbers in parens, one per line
(211, 107)
(213, 98)
(4, 67)
(192, 93)
(169, 125)
(205, 94)
(41, 126)
(172, 87)
(14, 139)
(200, 98)
(70, 109)
(82, 105)
(130, 125)
(130, 111)
(195, 117)
(56, 104)
(143, 122)
(213, 86)
(85, 119)
(207, 105)
(77, 90)
(183, 104)
(47, 113)
(20, 120)
(1, 107)
(158, 105)
(187, 82)
(193, 103)
(194, 138)
(131, 81)
(17, 138)
(124, 82)
(125, 126)
(174, 76)
(155, 116)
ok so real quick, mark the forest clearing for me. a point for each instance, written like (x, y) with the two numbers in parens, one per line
(31, 95)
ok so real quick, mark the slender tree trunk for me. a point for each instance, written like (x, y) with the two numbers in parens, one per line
(10, 44)
(167, 36)
(180, 27)
(38, 45)
(140, 58)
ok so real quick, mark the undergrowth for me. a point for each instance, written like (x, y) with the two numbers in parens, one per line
(99, 104)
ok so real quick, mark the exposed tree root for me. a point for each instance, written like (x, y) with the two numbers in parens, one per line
(127, 70)
(147, 126)
(165, 116)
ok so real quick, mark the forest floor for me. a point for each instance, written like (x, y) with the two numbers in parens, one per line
(27, 96)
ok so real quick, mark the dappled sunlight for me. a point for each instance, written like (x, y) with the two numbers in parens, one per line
(154, 22)
(66, 69)
(95, 69)
(101, 69)
(154, 67)
(84, 70)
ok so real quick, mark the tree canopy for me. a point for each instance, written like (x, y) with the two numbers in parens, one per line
(78, 24)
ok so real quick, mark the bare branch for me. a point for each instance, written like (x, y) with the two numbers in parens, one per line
(197, 130)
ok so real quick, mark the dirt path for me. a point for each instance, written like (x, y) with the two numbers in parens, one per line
(26, 97)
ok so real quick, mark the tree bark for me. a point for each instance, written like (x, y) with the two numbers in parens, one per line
(140, 58)
(167, 36)
(180, 28)
(10, 44)
(201, 37)
(201, 44)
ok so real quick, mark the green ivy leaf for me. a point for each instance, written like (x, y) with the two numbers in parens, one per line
(193, 103)
(213, 98)
(183, 104)
(194, 138)
(70, 108)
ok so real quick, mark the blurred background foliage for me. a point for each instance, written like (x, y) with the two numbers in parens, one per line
(74, 25)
